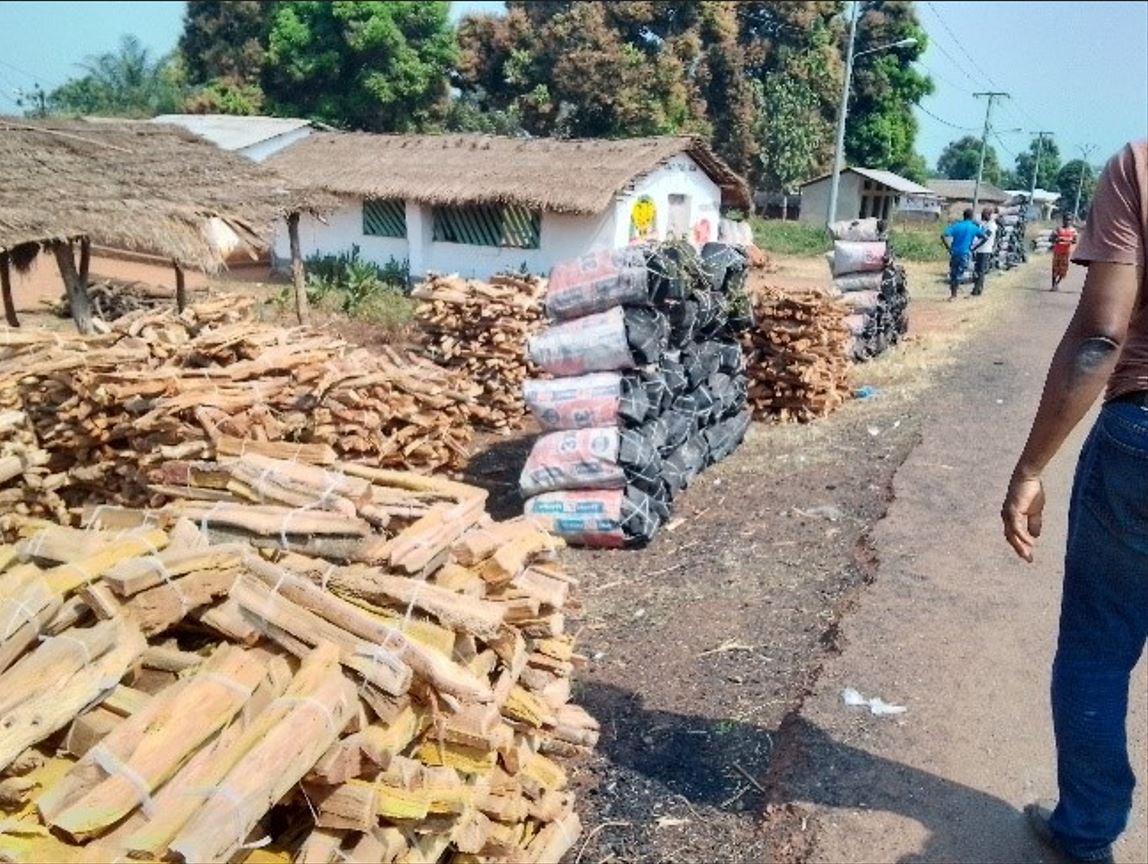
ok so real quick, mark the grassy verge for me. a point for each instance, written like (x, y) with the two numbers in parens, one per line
(790, 238)
(909, 242)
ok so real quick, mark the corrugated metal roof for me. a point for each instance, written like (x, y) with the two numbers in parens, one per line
(1037, 195)
(885, 178)
(962, 190)
(231, 132)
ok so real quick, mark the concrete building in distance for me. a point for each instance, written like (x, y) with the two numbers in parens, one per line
(863, 193)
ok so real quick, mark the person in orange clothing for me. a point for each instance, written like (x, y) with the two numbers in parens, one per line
(1063, 239)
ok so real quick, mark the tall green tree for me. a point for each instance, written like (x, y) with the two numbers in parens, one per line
(128, 82)
(1068, 179)
(881, 130)
(378, 66)
(792, 133)
(224, 47)
(1049, 164)
(582, 69)
(960, 158)
(638, 68)
(225, 39)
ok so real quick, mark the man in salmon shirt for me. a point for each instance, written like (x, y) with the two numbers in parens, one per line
(1104, 608)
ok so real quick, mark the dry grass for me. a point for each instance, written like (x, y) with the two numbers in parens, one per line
(136, 186)
(566, 176)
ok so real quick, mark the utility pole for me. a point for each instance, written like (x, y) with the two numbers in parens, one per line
(1036, 166)
(1084, 153)
(843, 109)
(984, 142)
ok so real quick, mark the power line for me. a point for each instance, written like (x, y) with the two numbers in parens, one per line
(1014, 107)
(1003, 146)
(934, 73)
(957, 42)
(942, 121)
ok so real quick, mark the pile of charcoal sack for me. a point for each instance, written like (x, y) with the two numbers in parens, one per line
(872, 285)
(649, 387)
(1010, 251)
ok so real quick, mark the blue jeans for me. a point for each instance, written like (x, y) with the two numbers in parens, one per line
(1103, 626)
(957, 266)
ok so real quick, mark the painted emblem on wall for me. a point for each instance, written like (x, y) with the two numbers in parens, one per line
(643, 219)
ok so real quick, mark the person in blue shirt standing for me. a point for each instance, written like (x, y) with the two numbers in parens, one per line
(962, 239)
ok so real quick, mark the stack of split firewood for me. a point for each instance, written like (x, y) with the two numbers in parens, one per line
(797, 354)
(111, 299)
(481, 328)
(338, 664)
(161, 385)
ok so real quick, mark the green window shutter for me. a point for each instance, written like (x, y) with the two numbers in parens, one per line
(503, 225)
(384, 217)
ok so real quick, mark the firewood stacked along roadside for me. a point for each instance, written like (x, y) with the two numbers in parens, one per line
(872, 284)
(112, 299)
(161, 385)
(480, 329)
(649, 387)
(797, 354)
(345, 663)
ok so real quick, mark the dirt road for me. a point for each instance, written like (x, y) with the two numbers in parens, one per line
(960, 632)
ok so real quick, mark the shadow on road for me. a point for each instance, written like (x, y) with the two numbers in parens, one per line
(695, 757)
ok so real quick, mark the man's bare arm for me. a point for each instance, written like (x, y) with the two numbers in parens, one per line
(1083, 362)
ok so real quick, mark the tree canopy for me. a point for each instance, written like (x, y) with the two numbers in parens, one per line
(960, 158)
(379, 66)
(1049, 164)
(1069, 178)
(881, 130)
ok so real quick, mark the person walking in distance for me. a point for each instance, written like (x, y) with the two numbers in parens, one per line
(984, 254)
(961, 239)
(1104, 607)
(1063, 239)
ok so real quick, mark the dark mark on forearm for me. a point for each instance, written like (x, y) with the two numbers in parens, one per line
(1093, 355)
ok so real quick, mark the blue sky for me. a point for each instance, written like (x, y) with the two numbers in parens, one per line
(1079, 69)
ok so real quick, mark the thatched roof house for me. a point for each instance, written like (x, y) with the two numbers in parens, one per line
(135, 186)
(562, 176)
(476, 204)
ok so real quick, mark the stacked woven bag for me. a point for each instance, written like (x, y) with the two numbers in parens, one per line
(872, 284)
(1010, 251)
(649, 387)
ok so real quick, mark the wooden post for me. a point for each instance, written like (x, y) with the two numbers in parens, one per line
(6, 291)
(75, 284)
(180, 287)
(302, 310)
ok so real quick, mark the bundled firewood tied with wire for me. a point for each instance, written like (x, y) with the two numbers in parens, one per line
(797, 354)
(212, 381)
(380, 673)
(480, 329)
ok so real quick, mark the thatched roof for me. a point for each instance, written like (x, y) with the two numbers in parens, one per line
(132, 185)
(565, 176)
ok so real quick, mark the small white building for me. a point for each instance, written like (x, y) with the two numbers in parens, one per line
(255, 138)
(1042, 204)
(480, 205)
(862, 193)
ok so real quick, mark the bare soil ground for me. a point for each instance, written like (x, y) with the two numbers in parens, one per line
(702, 644)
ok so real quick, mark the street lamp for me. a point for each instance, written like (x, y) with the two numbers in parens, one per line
(838, 152)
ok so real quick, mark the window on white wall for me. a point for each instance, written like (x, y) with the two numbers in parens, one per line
(503, 225)
(679, 216)
(384, 217)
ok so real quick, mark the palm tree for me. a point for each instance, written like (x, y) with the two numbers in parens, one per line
(128, 82)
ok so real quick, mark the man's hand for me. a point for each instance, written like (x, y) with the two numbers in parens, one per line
(1022, 514)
